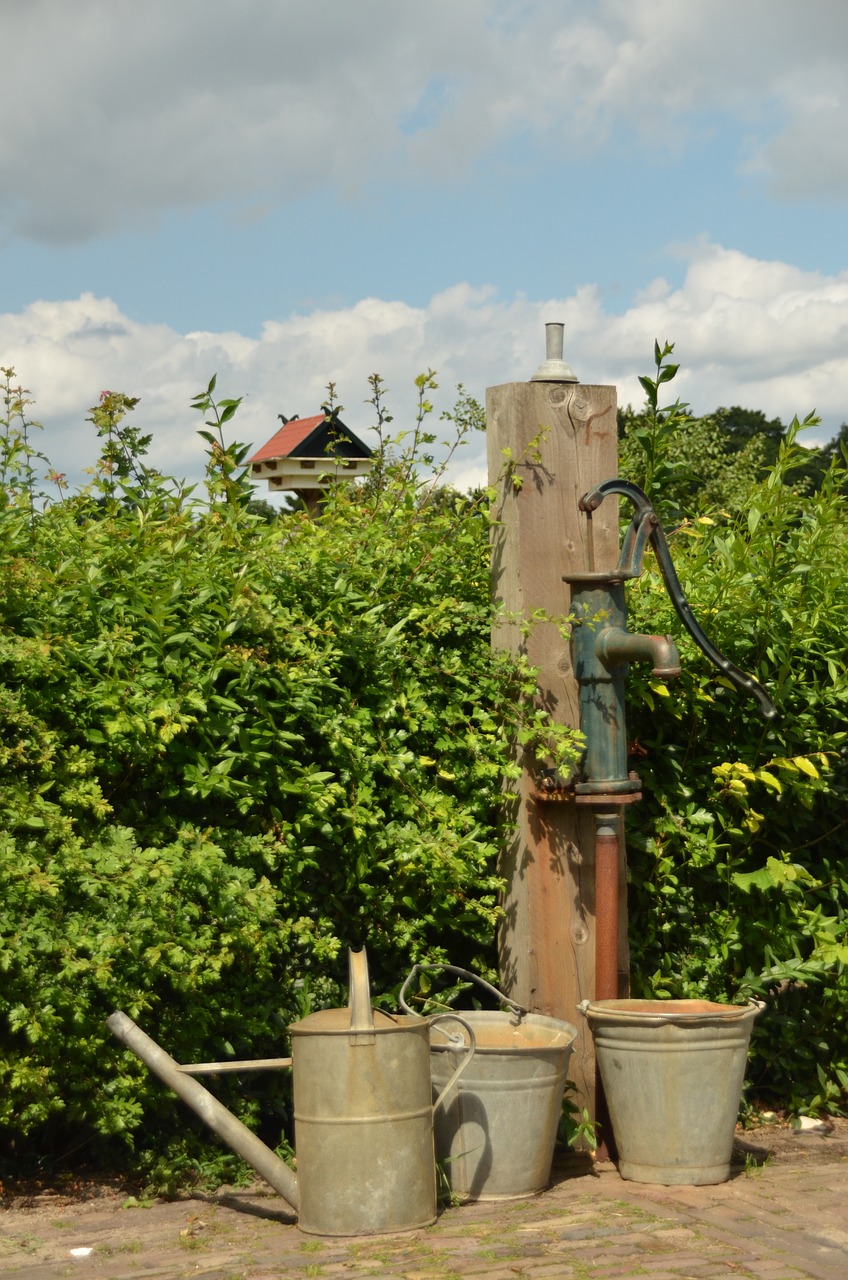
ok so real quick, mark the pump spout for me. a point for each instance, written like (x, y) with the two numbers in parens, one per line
(614, 645)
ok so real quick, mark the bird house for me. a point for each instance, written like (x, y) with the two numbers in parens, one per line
(307, 455)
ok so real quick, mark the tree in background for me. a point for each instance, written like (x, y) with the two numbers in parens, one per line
(719, 455)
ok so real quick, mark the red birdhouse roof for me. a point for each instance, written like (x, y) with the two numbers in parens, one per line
(288, 437)
(315, 437)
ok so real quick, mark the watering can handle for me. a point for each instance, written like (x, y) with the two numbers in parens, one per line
(468, 1052)
(517, 1009)
(361, 1013)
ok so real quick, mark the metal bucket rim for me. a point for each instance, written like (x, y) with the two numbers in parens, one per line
(562, 1034)
(669, 1012)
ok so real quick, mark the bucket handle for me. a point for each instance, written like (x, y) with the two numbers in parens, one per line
(456, 1044)
(516, 1008)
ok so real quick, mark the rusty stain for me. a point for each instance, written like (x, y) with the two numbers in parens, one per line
(586, 423)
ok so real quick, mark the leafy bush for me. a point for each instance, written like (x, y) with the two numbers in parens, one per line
(739, 876)
(232, 748)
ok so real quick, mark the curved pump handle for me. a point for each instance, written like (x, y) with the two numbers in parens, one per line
(645, 527)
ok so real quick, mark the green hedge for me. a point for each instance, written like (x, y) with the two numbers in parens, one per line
(738, 865)
(232, 749)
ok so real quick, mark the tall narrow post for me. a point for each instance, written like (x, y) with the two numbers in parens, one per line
(550, 441)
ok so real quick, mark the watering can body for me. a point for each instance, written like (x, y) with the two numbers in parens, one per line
(363, 1114)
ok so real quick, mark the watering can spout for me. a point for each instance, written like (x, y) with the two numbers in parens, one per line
(221, 1121)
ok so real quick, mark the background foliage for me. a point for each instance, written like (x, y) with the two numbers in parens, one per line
(739, 875)
(230, 749)
(233, 745)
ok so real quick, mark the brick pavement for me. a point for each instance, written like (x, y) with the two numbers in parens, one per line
(784, 1221)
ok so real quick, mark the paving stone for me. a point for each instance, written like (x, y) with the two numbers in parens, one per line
(785, 1222)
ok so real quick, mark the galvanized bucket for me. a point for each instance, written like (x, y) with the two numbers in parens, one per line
(495, 1137)
(672, 1072)
(363, 1116)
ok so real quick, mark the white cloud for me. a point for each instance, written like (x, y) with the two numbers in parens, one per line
(761, 334)
(757, 333)
(124, 110)
(118, 113)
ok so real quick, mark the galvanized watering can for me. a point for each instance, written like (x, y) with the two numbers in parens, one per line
(363, 1112)
(363, 1115)
(495, 1137)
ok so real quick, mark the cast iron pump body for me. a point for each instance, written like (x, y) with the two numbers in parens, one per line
(602, 647)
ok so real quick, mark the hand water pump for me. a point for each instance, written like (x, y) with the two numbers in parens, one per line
(602, 649)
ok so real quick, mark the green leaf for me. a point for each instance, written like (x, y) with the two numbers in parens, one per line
(668, 372)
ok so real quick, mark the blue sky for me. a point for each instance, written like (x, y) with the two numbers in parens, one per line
(288, 194)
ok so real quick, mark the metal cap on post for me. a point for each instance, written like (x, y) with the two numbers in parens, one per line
(554, 368)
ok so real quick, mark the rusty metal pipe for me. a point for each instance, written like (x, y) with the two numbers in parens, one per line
(607, 854)
(211, 1111)
(606, 906)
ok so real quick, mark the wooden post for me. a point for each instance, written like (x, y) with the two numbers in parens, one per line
(558, 439)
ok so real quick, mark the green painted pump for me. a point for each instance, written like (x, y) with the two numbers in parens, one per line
(602, 647)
